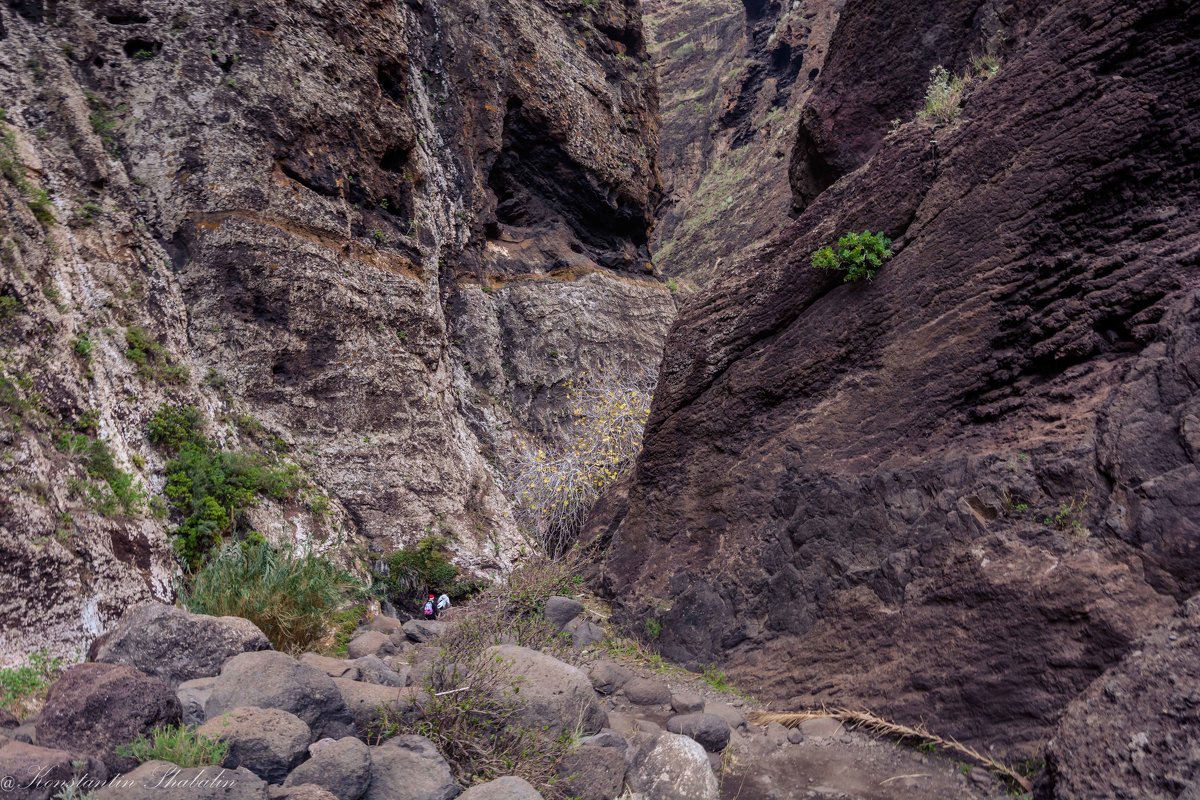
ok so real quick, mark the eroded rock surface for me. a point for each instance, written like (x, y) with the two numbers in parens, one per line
(925, 494)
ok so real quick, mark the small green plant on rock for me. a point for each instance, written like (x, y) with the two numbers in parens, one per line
(177, 744)
(115, 490)
(858, 255)
(653, 628)
(412, 572)
(23, 688)
(943, 96)
(151, 358)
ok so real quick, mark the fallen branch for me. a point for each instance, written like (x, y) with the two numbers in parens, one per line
(883, 727)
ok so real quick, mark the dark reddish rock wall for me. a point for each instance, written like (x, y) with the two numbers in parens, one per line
(851, 493)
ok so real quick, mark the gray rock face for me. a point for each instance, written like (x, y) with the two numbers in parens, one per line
(276, 680)
(94, 708)
(561, 610)
(608, 677)
(593, 771)
(686, 702)
(342, 767)
(174, 645)
(507, 788)
(165, 781)
(550, 692)
(410, 768)
(584, 633)
(193, 695)
(710, 730)
(370, 643)
(267, 741)
(423, 630)
(368, 702)
(333, 667)
(372, 669)
(647, 692)
(672, 767)
(39, 772)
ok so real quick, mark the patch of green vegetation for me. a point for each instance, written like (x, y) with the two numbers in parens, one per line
(116, 491)
(858, 255)
(151, 358)
(83, 346)
(345, 623)
(106, 121)
(1069, 515)
(296, 599)
(174, 426)
(22, 687)
(10, 307)
(413, 572)
(717, 679)
(178, 744)
(653, 628)
(88, 212)
(11, 167)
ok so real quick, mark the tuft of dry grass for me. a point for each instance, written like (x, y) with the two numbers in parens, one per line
(882, 727)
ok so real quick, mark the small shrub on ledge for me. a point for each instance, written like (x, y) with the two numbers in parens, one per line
(858, 255)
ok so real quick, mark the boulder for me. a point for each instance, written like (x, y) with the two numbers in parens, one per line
(192, 696)
(174, 645)
(410, 768)
(270, 679)
(94, 708)
(372, 669)
(606, 738)
(561, 610)
(267, 741)
(370, 702)
(343, 768)
(550, 693)
(731, 715)
(686, 702)
(584, 633)
(333, 667)
(710, 730)
(39, 773)
(593, 771)
(672, 767)
(507, 788)
(370, 643)
(384, 624)
(423, 630)
(305, 791)
(161, 780)
(608, 677)
(647, 692)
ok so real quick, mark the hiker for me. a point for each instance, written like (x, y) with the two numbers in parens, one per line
(443, 603)
(430, 610)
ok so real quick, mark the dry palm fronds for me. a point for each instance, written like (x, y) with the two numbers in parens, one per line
(883, 727)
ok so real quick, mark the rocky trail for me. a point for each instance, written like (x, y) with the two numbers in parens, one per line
(318, 727)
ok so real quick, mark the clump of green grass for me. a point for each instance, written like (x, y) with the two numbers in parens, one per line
(178, 744)
(858, 255)
(943, 96)
(113, 490)
(174, 426)
(23, 688)
(653, 628)
(293, 597)
(11, 168)
(10, 307)
(151, 358)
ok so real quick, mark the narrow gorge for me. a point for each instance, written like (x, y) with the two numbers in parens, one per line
(396, 284)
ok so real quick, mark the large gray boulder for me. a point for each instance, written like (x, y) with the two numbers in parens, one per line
(161, 780)
(369, 703)
(372, 669)
(608, 677)
(94, 708)
(507, 788)
(672, 767)
(561, 610)
(422, 631)
(343, 768)
(38, 773)
(410, 768)
(192, 696)
(550, 693)
(593, 771)
(333, 667)
(370, 643)
(267, 741)
(174, 645)
(647, 692)
(270, 679)
(710, 730)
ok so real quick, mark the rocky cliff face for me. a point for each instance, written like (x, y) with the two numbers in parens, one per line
(958, 493)
(373, 237)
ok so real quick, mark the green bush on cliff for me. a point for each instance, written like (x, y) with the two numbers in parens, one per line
(293, 597)
(858, 255)
(114, 490)
(415, 570)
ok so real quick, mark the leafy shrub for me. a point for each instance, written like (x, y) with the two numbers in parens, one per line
(858, 255)
(414, 572)
(556, 485)
(944, 95)
(178, 744)
(118, 490)
(292, 597)
(174, 426)
(207, 487)
(151, 358)
(9, 308)
(23, 688)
